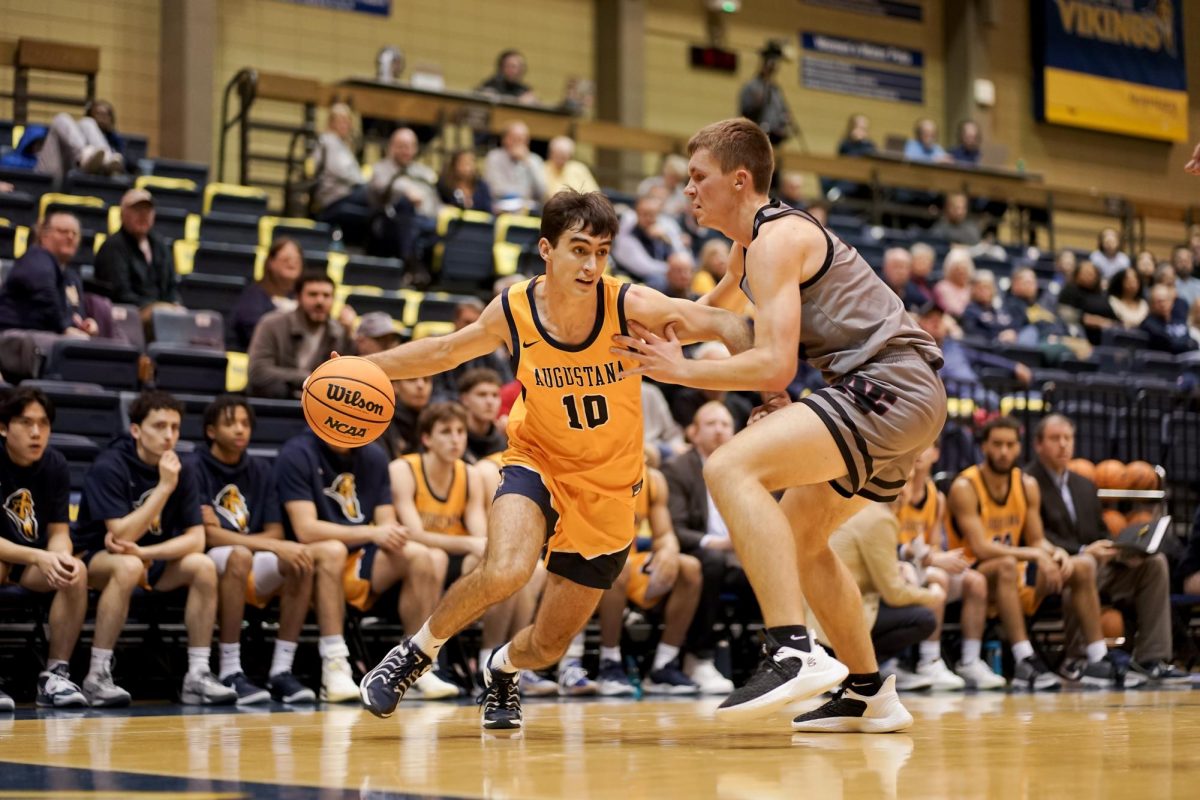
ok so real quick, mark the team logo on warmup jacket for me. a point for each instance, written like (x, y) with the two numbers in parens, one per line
(344, 492)
(19, 507)
(230, 504)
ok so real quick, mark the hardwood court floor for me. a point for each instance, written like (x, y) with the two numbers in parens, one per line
(1077, 744)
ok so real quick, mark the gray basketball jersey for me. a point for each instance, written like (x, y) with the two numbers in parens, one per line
(848, 315)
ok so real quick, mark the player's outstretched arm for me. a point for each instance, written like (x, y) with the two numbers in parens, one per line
(435, 354)
(692, 322)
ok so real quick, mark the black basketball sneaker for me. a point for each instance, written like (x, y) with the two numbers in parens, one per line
(784, 675)
(383, 688)
(501, 699)
(850, 712)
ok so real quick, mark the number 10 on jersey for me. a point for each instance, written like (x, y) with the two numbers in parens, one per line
(595, 411)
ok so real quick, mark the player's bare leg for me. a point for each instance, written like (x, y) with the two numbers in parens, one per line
(516, 529)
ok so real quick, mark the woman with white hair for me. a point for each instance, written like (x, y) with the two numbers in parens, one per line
(953, 291)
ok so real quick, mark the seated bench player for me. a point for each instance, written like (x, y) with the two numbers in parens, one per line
(243, 524)
(344, 494)
(35, 540)
(140, 525)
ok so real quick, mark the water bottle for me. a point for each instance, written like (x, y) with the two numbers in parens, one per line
(993, 656)
(635, 676)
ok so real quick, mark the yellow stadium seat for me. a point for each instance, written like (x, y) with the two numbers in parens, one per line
(185, 253)
(233, 189)
(430, 328)
(266, 226)
(337, 266)
(20, 241)
(151, 182)
(237, 371)
(67, 200)
(17, 132)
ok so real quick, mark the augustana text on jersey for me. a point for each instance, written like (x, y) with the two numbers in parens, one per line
(583, 376)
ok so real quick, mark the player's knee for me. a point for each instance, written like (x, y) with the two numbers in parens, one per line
(721, 467)
(127, 571)
(440, 560)
(1005, 568)
(328, 556)
(502, 578)
(933, 575)
(1083, 570)
(240, 561)
(974, 584)
(690, 573)
(201, 569)
(550, 645)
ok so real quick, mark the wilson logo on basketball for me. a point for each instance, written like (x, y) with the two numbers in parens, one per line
(345, 428)
(354, 399)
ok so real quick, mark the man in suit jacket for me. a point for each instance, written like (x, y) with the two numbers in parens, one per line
(701, 531)
(288, 345)
(1072, 520)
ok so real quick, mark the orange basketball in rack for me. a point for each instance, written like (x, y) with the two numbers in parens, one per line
(1081, 466)
(1111, 474)
(1115, 521)
(1141, 475)
(348, 401)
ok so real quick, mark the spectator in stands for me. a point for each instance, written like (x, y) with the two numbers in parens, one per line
(923, 146)
(954, 225)
(1125, 296)
(961, 363)
(91, 145)
(344, 495)
(671, 180)
(1167, 333)
(897, 274)
(516, 177)
(508, 81)
(761, 99)
(953, 291)
(1071, 515)
(686, 401)
(713, 264)
(681, 271)
(1194, 322)
(791, 189)
(288, 345)
(462, 186)
(403, 193)
(1005, 536)
(1166, 276)
(275, 292)
(694, 235)
(445, 384)
(659, 578)
(243, 527)
(35, 540)
(857, 139)
(135, 265)
(923, 258)
(562, 170)
(1107, 256)
(660, 432)
(703, 534)
(140, 523)
(339, 195)
(1064, 267)
(646, 242)
(819, 210)
(1187, 284)
(1083, 300)
(899, 614)
(1026, 310)
(969, 141)
(43, 292)
(412, 396)
(376, 331)
(1146, 265)
(981, 318)
(479, 393)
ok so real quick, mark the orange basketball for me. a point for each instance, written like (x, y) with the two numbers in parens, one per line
(1112, 623)
(348, 401)
(1110, 474)
(1141, 475)
(1081, 466)
(1139, 517)
(1115, 521)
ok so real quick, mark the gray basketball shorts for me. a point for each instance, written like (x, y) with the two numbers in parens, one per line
(882, 416)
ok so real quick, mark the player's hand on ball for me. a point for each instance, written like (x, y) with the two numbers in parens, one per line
(660, 357)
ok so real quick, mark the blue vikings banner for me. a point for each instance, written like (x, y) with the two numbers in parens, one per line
(1111, 65)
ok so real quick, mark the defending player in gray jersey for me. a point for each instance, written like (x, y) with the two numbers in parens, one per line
(836, 450)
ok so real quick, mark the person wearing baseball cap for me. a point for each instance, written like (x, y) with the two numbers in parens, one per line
(135, 264)
(376, 332)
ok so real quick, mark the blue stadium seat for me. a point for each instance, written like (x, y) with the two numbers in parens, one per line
(19, 208)
(128, 320)
(8, 240)
(467, 254)
(225, 259)
(316, 260)
(80, 452)
(182, 368)
(109, 189)
(82, 409)
(439, 306)
(191, 328)
(1162, 365)
(112, 365)
(385, 273)
(200, 290)
(229, 229)
(34, 184)
(187, 170)
(276, 421)
(170, 223)
(317, 237)
(392, 304)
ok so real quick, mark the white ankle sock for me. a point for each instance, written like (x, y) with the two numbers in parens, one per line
(575, 649)
(231, 659)
(970, 651)
(930, 651)
(283, 657)
(484, 654)
(51, 663)
(198, 660)
(1022, 651)
(101, 660)
(427, 643)
(332, 647)
(610, 654)
(1096, 651)
(664, 655)
(501, 661)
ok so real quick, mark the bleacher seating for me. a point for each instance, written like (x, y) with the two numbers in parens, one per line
(225, 259)
(184, 170)
(82, 409)
(183, 368)
(31, 183)
(199, 290)
(112, 365)
(175, 193)
(110, 189)
(384, 273)
(189, 328)
(226, 228)
(19, 208)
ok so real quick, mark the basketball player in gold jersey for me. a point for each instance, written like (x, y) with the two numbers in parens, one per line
(573, 467)
(995, 517)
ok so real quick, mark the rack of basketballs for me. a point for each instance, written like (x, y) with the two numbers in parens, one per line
(1132, 493)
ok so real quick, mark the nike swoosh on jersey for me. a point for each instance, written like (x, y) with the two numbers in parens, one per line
(530, 344)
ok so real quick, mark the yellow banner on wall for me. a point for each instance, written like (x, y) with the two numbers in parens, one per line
(1073, 98)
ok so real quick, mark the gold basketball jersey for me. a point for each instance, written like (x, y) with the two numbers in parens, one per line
(1003, 520)
(578, 418)
(919, 520)
(440, 514)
